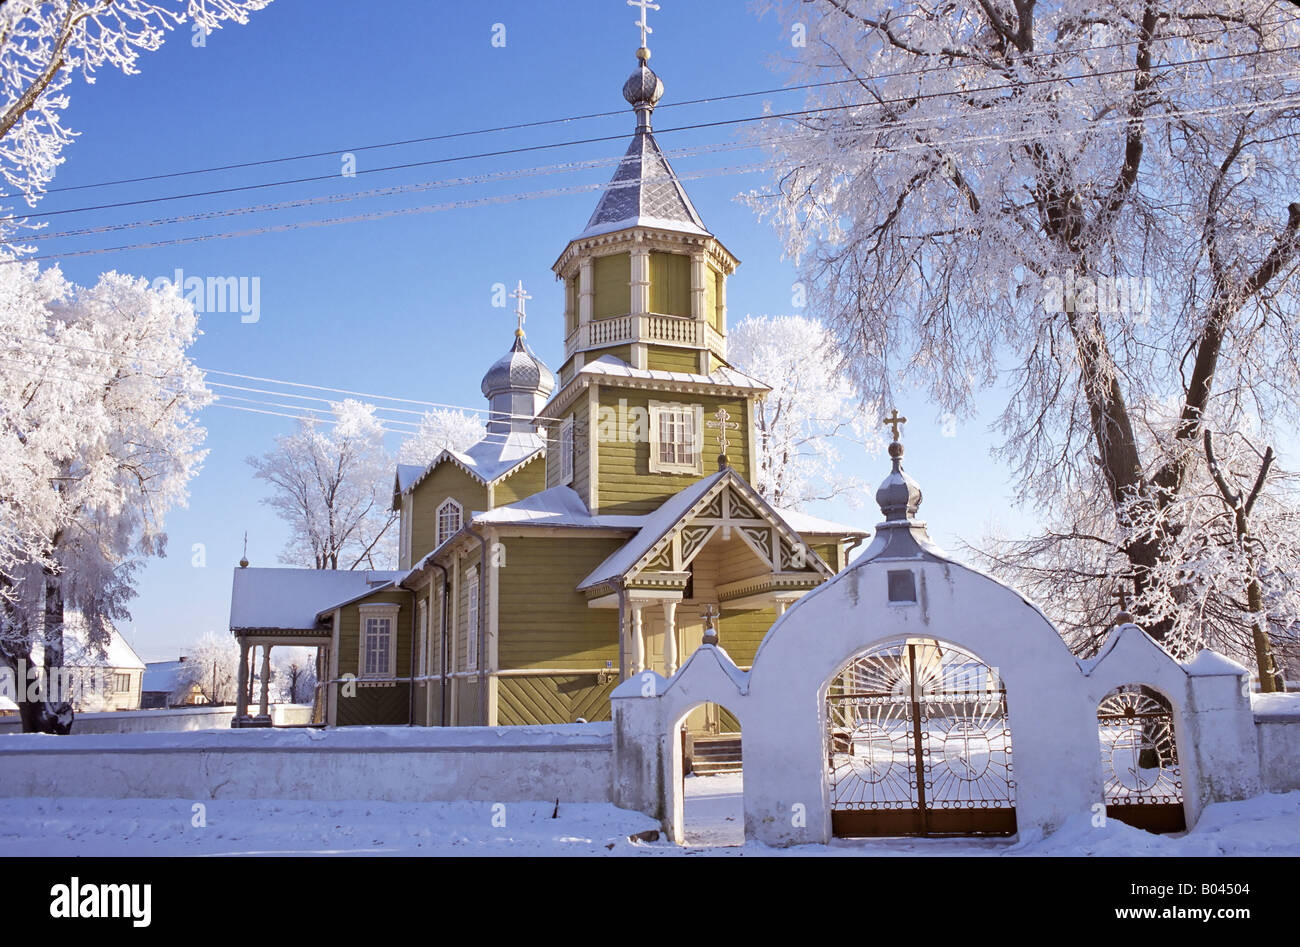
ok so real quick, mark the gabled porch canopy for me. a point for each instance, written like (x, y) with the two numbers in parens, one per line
(754, 560)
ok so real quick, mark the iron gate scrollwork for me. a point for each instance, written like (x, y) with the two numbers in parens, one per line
(918, 744)
(1139, 758)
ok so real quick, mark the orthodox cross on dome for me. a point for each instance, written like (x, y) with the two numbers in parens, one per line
(710, 615)
(521, 297)
(644, 5)
(895, 422)
(722, 424)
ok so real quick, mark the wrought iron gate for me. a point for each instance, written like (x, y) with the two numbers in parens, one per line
(1139, 759)
(918, 744)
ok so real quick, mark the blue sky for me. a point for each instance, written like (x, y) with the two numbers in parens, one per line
(402, 306)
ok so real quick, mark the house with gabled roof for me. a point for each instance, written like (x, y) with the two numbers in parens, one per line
(603, 521)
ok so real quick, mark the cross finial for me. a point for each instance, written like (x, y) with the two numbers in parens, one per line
(894, 421)
(710, 615)
(644, 5)
(722, 424)
(521, 297)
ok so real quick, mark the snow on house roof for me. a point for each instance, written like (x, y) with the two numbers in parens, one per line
(558, 506)
(802, 522)
(609, 366)
(78, 651)
(290, 599)
(160, 676)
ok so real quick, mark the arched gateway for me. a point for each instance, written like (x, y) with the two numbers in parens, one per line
(913, 695)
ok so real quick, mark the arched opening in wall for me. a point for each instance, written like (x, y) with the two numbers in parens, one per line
(1139, 759)
(711, 778)
(917, 743)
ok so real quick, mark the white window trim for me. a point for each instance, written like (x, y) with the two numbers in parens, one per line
(472, 585)
(381, 611)
(566, 451)
(439, 539)
(657, 408)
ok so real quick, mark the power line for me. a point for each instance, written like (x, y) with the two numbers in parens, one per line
(907, 99)
(939, 143)
(543, 170)
(1218, 30)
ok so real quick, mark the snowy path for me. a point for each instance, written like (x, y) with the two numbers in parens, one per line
(1267, 825)
(714, 813)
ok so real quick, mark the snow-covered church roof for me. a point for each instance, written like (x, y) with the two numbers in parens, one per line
(644, 191)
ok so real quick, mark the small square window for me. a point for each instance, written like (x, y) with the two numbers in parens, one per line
(902, 585)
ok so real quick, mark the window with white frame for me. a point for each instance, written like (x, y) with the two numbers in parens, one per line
(676, 438)
(471, 619)
(566, 450)
(378, 645)
(449, 520)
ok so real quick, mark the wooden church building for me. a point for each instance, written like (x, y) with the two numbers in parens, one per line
(602, 522)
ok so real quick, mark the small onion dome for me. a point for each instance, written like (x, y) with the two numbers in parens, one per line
(899, 496)
(643, 87)
(518, 370)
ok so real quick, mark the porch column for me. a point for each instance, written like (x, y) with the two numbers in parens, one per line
(263, 707)
(670, 639)
(241, 688)
(638, 638)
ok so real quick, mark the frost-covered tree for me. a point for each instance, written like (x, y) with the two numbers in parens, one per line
(332, 486)
(441, 429)
(98, 399)
(812, 413)
(45, 43)
(295, 674)
(1089, 201)
(212, 663)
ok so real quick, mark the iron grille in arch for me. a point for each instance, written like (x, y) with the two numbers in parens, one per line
(1139, 759)
(918, 744)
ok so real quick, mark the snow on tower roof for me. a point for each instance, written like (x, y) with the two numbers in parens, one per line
(290, 599)
(612, 367)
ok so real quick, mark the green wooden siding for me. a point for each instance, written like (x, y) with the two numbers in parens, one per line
(374, 706)
(626, 485)
(562, 699)
(542, 620)
(621, 352)
(350, 632)
(525, 482)
(613, 285)
(570, 305)
(670, 284)
(673, 359)
(447, 481)
(741, 632)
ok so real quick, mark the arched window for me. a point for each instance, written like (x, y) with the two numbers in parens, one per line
(449, 520)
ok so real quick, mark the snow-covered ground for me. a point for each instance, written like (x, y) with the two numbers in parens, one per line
(1266, 825)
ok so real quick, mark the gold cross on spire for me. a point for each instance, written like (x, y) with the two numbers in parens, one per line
(894, 421)
(644, 5)
(521, 298)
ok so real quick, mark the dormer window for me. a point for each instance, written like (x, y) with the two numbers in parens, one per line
(449, 520)
(675, 438)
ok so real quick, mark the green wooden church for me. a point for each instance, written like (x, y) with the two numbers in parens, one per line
(604, 520)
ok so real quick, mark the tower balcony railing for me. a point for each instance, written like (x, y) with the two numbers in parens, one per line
(654, 328)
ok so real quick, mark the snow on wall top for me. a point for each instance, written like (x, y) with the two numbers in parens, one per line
(290, 599)
(559, 736)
